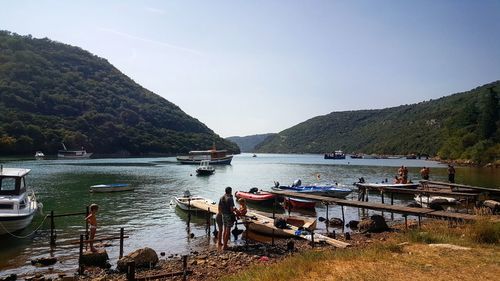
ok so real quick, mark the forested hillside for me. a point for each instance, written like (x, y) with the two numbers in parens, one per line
(460, 126)
(248, 143)
(52, 92)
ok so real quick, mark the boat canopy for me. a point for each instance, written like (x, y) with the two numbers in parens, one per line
(12, 181)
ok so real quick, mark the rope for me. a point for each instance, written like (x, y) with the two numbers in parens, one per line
(25, 236)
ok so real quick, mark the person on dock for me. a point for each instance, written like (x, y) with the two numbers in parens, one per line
(425, 173)
(226, 207)
(451, 174)
(92, 221)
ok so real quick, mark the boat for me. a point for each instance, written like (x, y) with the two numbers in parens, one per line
(73, 154)
(356, 156)
(18, 203)
(205, 169)
(216, 157)
(255, 155)
(337, 154)
(196, 203)
(325, 190)
(426, 201)
(257, 197)
(382, 185)
(262, 224)
(298, 203)
(411, 156)
(39, 155)
(114, 187)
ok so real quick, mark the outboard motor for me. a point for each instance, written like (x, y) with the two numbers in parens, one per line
(276, 184)
(253, 190)
(297, 182)
(187, 193)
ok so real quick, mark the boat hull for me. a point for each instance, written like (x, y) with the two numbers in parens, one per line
(102, 188)
(218, 161)
(317, 190)
(196, 204)
(265, 225)
(204, 172)
(10, 224)
(263, 198)
(297, 203)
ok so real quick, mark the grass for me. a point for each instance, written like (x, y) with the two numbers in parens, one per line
(394, 260)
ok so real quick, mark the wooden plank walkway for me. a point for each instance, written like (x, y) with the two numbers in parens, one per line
(495, 191)
(420, 212)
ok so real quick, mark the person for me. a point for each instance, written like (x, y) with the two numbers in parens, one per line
(401, 171)
(451, 173)
(92, 221)
(242, 211)
(226, 207)
(396, 180)
(425, 173)
(218, 220)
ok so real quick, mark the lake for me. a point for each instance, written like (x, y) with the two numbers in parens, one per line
(147, 214)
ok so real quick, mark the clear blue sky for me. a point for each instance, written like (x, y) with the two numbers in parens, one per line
(249, 67)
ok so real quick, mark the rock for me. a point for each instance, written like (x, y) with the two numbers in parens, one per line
(99, 258)
(11, 277)
(44, 261)
(449, 246)
(493, 205)
(334, 222)
(352, 224)
(375, 223)
(143, 258)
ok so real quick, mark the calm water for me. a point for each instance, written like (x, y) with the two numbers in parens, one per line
(147, 214)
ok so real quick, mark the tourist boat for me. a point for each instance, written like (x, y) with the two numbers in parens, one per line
(257, 197)
(338, 154)
(382, 185)
(262, 224)
(73, 154)
(426, 201)
(298, 203)
(17, 202)
(39, 155)
(325, 190)
(114, 187)
(216, 157)
(205, 169)
(195, 203)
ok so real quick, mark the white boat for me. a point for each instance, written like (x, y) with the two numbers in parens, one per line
(196, 203)
(214, 156)
(425, 201)
(114, 187)
(382, 185)
(39, 155)
(73, 154)
(205, 169)
(262, 224)
(17, 203)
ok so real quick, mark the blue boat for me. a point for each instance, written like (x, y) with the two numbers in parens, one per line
(324, 190)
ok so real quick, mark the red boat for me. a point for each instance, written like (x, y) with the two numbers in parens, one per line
(256, 197)
(297, 203)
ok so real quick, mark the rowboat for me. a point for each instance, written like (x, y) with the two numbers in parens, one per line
(325, 190)
(299, 203)
(256, 197)
(114, 187)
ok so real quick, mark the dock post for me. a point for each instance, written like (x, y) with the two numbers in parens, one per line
(392, 198)
(130, 271)
(419, 218)
(343, 217)
(52, 226)
(327, 220)
(87, 212)
(209, 220)
(184, 267)
(382, 193)
(274, 219)
(406, 221)
(189, 216)
(80, 265)
(312, 238)
(121, 242)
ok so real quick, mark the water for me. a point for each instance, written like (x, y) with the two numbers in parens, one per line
(147, 214)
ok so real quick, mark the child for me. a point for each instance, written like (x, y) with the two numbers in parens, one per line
(243, 207)
(91, 219)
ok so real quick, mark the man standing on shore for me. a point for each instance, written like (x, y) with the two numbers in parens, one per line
(451, 174)
(226, 207)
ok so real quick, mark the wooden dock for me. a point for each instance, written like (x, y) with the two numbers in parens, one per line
(419, 212)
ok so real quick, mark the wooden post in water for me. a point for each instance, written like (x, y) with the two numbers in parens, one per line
(392, 198)
(80, 265)
(209, 216)
(274, 219)
(343, 218)
(312, 238)
(121, 242)
(130, 271)
(52, 226)
(382, 193)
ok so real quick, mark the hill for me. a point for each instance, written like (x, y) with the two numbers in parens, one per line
(460, 126)
(248, 143)
(52, 92)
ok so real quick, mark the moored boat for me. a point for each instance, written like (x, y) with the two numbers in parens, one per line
(287, 226)
(39, 155)
(427, 201)
(299, 203)
(195, 203)
(325, 190)
(114, 187)
(205, 169)
(18, 202)
(73, 154)
(214, 156)
(382, 185)
(257, 197)
(337, 154)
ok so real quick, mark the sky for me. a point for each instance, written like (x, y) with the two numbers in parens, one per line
(262, 66)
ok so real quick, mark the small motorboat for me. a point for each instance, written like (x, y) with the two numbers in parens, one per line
(337, 154)
(18, 202)
(39, 155)
(325, 190)
(195, 203)
(427, 201)
(287, 226)
(114, 187)
(205, 169)
(298, 203)
(382, 185)
(257, 197)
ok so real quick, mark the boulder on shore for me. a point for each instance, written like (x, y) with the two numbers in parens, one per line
(99, 258)
(375, 223)
(143, 258)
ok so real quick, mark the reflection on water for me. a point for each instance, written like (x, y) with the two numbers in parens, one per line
(151, 220)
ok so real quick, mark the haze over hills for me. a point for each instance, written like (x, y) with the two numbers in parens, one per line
(248, 143)
(459, 126)
(52, 92)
